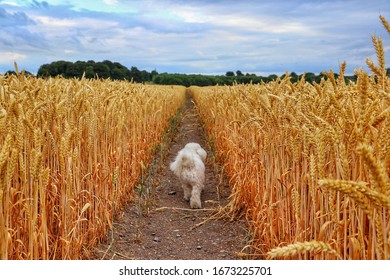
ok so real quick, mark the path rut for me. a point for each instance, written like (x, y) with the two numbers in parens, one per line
(161, 225)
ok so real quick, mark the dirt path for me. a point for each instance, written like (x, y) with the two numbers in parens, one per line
(161, 225)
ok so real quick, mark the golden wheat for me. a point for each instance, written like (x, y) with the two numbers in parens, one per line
(307, 161)
(71, 152)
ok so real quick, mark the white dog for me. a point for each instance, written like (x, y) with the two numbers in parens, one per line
(189, 168)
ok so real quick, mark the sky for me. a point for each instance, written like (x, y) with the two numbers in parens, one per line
(188, 36)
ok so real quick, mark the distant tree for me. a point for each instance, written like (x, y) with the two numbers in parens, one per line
(23, 72)
(157, 79)
(170, 79)
(218, 81)
(310, 77)
(319, 77)
(145, 76)
(250, 74)
(118, 74)
(110, 64)
(229, 74)
(43, 71)
(62, 66)
(116, 71)
(53, 69)
(152, 74)
(294, 77)
(272, 77)
(135, 74)
(75, 70)
(92, 69)
(89, 73)
(102, 70)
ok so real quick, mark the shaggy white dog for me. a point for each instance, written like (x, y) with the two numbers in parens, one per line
(189, 168)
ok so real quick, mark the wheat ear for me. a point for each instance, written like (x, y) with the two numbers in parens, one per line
(385, 23)
(302, 247)
(349, 188)
(377, 170)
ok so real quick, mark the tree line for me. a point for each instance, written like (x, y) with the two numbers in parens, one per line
(91, 69)
(116, 71)
(238, 77)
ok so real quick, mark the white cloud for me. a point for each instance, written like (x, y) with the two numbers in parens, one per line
(191, 15)
(76, 34)
(7, 57)
(195, 36)
(52, 23)
(262, 24)
(9, 3)
(111, 2)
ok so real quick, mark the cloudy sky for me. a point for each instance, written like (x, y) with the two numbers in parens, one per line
(188, 36)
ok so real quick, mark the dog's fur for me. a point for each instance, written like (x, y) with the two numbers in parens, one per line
(190, 169)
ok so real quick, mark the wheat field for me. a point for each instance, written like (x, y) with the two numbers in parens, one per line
(71, 154)
(308, 164)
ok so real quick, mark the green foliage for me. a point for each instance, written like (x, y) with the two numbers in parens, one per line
(116, 71)
(92, 69)
(23, 72)
(230, 78)
(205, 80)
(229, 74)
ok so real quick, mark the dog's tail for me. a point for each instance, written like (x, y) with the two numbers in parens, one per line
(187, 160)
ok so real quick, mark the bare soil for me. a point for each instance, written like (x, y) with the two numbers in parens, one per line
(160, 224)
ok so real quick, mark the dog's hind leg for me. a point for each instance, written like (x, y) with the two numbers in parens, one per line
(187, 191)
(195, 196)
